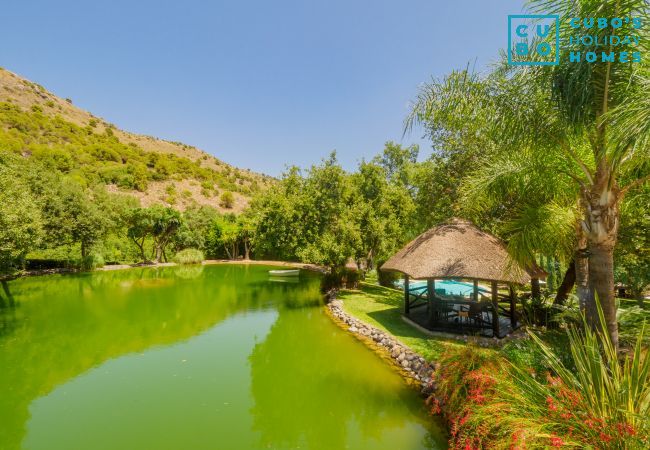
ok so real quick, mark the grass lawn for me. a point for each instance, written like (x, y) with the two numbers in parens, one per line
(381, 307)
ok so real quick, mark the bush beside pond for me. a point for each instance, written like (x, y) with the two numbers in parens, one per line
(189, 256)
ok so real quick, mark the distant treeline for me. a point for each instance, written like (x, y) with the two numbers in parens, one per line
(324, 215)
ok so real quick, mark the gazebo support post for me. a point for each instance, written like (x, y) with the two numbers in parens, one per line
(476, 290)
(407, 306)
(495, 306)
(513, 307)
(431, 291)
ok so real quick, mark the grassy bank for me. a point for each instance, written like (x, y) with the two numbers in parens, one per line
(381, 307)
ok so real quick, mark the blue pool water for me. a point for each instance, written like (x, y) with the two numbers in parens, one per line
(451, 287)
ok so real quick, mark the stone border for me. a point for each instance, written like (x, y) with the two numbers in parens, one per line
(412, 366)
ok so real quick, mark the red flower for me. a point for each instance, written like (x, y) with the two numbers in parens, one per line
(605, 437)
(556, 441)
(551, 404)
(435, 408)
(625, 429)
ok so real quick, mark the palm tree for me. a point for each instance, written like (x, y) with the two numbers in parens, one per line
(591, 119)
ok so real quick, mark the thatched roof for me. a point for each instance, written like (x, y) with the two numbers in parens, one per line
(457, 250)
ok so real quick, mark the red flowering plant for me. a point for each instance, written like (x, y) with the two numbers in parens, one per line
(600, 401)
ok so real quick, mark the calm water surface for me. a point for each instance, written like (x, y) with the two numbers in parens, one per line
(214, 357)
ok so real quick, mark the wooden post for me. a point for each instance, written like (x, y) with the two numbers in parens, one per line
(431, 290)
(495, 305)
(476, 290)
(406, 295)
(513, 307)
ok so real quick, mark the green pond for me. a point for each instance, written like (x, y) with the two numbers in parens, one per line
(199, 357)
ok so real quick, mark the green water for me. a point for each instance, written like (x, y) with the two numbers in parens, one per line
(214, 357)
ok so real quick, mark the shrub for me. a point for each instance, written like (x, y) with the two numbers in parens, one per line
(597, 401)
(387, 279)
(92, 261)
(189, 256)
(227, 200)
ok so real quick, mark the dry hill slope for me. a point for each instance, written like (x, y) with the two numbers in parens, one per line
(28, 99)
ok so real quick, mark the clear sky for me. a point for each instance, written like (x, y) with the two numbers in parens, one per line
(259, 84)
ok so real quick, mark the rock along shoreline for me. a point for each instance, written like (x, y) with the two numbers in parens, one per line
(412, 366)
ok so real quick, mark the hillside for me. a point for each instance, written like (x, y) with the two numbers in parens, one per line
(41, 126)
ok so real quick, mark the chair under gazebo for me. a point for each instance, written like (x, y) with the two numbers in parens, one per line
(452, 254)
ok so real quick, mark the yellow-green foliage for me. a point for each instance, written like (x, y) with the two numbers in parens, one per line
(189, 256)
(92, 157)
(227, 200)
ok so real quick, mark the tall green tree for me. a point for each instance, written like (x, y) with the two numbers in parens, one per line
(384, 210)
(330, 234)
(310, 218)
(140, 223)
(166, 223)
(225, 237)
(20, 216)
(594, 116)
(195, 228)
(73, 216)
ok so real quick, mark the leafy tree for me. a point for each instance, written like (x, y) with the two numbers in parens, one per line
(20, 216)
(72, 216)
(166, 222)
(329, 232)
(195, 228)
(140, 227)
(398, 162)
(278, 216)
(383, 210)
(592, 116)
(311, 218)
(247, 233)
(436, 183)
(225, 236)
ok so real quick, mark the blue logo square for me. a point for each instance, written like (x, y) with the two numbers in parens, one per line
(533, 40)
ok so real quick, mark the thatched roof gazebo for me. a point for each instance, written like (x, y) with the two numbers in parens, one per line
(453, 251)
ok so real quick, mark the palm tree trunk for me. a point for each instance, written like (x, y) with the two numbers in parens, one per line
(567, 284)
(535, 291)
(601, 282)
(601, 221)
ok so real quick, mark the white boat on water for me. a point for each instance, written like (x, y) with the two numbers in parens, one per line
(285, 273)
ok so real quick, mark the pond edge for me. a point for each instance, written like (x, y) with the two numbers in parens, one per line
(414, 368)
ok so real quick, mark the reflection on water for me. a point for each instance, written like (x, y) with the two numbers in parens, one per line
(192, 357)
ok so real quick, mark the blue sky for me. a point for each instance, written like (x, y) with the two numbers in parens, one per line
(259, 84)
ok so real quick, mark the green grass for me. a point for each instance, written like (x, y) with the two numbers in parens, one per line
(381, 307)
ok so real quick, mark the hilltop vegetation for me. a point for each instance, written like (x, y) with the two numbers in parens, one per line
(53, 133)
